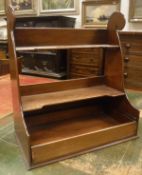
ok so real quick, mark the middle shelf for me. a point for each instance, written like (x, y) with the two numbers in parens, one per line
(38, 101)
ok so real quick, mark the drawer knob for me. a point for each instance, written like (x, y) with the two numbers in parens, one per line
(127, 45)
(76, 57)
(125, 74)
(126, 59)
(92, 59)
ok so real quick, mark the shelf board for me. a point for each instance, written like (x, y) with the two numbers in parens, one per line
(61, 130)
(38, 101)
(36, 48)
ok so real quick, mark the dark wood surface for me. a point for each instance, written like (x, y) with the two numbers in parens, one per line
(77, 46)
(108, 119)
(21, 131)
(61, 85)
(65, 129)
(4, 66)
(50, 64)
(132, 53)
(72, 95)
(85, 62)
(67, 37)
(4, 62)
(78, 143)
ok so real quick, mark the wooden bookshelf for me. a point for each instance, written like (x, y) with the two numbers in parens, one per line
(68, 118)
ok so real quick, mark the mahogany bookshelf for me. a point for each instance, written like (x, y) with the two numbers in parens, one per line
(70, 117)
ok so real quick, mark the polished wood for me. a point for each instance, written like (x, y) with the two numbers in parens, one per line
(20, 125)
(132, 52)
(51, 63)
(60, 86)
(67, 37)
(78, 143)
(85, 62)
(66, 118)
(32, 48)
(72, 95)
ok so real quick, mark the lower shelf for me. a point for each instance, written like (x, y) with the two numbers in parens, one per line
(69, 136)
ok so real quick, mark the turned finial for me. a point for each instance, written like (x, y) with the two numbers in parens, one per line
(116, 21)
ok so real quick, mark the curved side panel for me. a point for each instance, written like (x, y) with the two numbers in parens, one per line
(20, 126)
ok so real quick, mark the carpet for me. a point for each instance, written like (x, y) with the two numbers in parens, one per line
(135, 98)
(5, 90)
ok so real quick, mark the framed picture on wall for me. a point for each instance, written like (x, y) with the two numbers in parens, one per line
(96, 13)
(2, 7)
(57, 7)
(135, 10)
(24, 7)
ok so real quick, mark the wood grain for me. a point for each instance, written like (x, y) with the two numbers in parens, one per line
(34, 102)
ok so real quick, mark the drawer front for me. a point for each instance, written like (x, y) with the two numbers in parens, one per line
(85, 59)
(77, 75)
(2, 54)
(4, 68)
(133, 78)
(85, 62)
(131, 44)
(81, 143)
(132, 53)
(133, 49)
(134, 73)
(133, 60)
(133, 70)
(86, 70)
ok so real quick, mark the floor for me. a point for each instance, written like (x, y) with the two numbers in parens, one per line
(5, 90)
(122, 159)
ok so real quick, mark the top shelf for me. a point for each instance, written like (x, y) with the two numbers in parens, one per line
(35, 48)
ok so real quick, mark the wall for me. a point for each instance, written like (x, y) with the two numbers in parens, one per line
(124, 9)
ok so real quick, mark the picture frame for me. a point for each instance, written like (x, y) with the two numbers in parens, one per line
(96, 13)
(2, 7)
(135, 10)
(24, 7)
(58, 7)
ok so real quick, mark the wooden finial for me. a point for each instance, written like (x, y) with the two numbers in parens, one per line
(116, 21)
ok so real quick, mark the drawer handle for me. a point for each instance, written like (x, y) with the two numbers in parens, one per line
(125, 74)
(75, 69)
(76, 57)
(127, 45)
(126, 59)
(92, 60)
